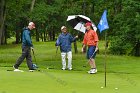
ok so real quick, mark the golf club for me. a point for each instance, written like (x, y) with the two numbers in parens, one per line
(34, 55)
(93, 54)
(90, 58)
(34, 65)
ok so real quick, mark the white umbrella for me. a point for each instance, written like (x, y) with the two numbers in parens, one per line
(78, 22)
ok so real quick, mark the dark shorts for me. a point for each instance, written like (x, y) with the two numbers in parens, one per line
(90, 52)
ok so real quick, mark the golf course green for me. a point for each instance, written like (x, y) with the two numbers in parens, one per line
(123, 72)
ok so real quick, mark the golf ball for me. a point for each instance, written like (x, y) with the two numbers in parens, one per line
(116, 88)
(102, 87)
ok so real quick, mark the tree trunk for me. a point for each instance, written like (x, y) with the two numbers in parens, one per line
(2, 20)
(17, 33)
(31, 8)
(50, 35)
(75, 47)
(120, 6)
(41, 36)
(137, 49)
(84, 7)
(5, 40)
(32, 5)
(53, 38)
(45, 36)
(117, 7)
(17, 36)
(37, 35)
(19, 30)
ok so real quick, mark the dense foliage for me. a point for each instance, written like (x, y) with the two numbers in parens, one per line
(49, 15)
(125, 38)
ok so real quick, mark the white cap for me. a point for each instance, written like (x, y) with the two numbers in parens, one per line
(63, 27)
(31, 24)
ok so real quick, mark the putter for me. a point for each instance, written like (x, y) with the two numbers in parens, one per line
(34, 55)
(90, 58)
(34, 58)
(93, 54)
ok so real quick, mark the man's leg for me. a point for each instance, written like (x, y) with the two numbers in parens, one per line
(69, 56)
(93, 66)
(29, 59)
(63, 55)
(92, 63)
(91, 55)
(21, 58)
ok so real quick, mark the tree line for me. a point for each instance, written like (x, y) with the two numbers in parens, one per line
(123, 16)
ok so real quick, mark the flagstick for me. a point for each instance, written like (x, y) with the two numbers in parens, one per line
(105, 57)
(103, 24)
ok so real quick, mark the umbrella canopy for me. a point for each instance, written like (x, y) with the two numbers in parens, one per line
(78, 22)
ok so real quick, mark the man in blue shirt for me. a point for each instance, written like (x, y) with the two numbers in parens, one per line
(26, 48)
(64, 41)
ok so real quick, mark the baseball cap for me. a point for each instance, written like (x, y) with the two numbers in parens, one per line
(63, 27)
(88, 24)
(32, 24)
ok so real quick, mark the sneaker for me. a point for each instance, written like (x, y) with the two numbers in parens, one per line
(69, 68)
(14, 67)
(31, 70)
(92, 71)
(63, 68)
(17, 70)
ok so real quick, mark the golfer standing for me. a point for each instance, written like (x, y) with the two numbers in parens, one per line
(26, 48)
(90, 40)
(64, 41)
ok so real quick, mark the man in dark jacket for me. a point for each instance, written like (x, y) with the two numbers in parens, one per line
(26, 48)
(64, 41)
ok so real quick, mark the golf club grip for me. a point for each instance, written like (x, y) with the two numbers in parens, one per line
(33, 51)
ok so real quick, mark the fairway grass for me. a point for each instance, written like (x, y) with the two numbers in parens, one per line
(123, 74)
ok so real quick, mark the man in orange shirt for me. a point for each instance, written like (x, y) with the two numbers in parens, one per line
(90, 40)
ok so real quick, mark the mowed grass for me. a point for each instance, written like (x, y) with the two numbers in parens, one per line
(123, 72)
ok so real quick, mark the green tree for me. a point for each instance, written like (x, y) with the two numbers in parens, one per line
(126, 35)
(17, 12)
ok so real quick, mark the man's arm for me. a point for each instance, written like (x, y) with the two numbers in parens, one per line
(84, 44)
(73, 39)
(57, 41)
(28, 39)
(96, 46)
(83, 48)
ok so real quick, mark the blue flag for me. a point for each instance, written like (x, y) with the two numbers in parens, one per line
(103, 24)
